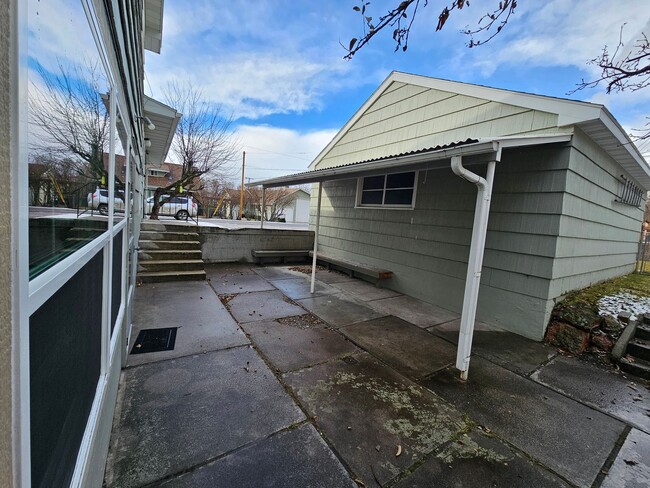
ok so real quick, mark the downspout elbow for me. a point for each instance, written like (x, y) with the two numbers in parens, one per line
(459, 170)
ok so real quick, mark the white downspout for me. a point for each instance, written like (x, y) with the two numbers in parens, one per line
(477, 248)
(313, 264)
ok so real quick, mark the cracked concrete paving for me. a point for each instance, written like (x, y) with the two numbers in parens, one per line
(329, 398)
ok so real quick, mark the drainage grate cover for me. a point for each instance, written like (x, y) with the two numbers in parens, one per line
(155, 340)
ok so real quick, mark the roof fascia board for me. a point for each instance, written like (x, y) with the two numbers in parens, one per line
(569, 111)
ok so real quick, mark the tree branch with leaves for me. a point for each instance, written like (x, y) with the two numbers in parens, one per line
(400, 19)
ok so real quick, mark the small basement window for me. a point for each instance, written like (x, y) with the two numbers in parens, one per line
(395, 190)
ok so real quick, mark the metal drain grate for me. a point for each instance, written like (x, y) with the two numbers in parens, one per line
(155, 340)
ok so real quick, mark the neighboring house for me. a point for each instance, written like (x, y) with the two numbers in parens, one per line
(566, 206)
(295, 206)
(66, 306)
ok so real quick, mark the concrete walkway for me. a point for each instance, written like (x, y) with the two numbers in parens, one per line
(269, 385)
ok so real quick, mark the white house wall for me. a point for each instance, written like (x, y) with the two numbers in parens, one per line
(410, 117)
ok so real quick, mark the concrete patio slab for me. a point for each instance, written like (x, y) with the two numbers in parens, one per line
(404, 346)
(476, 456)
(509, 350)
(327, 276)
(631, 468)
(179, 413)
(338, 312)
(264, 305)
(289, 459)
(367, 411)
(298, 288)
(607, 391)
(290, 347)
(278, 272)
(364, 291)
(571, 439)
(203, 322)
(219, 271)
(239, 283)
(413, 310)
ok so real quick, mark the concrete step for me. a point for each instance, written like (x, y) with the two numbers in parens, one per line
(169, 245)
(160, 276)
(166, 227)
(169, 236)
(637, 367)
(168, 254)
(639, 349)
(643, 332)
(171, 265)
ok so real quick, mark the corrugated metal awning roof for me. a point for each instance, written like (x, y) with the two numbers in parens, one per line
(425, 158)
(165, 118)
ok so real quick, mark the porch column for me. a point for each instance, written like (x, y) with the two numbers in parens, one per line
(313, 264)
(477, 248)
(263, 207)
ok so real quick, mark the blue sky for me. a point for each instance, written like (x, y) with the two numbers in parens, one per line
(278, 67)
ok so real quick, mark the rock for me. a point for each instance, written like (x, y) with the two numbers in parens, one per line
(602, 342)
(624, 317)
(646, 318)
(610, 324)
(580, 315)
(567, 337)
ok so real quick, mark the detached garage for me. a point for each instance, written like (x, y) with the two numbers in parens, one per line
(411, 182)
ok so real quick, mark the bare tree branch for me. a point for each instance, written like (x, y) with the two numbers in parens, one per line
(204, 142)
(401, 19)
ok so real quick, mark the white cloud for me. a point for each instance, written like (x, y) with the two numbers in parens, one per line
(252, 84)
(275, 151)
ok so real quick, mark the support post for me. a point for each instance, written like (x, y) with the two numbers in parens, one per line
(477, 248)
(263, 207)
(241, 193)
(313, 264)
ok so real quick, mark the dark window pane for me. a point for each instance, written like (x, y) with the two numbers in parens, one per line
(401, 180)
(373, 183)
(372, 197)
(64, 367)
(116, 297)
(398, 197)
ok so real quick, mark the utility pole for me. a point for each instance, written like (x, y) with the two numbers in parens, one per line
(241, 194)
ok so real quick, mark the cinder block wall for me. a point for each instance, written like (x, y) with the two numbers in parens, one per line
(224, 245)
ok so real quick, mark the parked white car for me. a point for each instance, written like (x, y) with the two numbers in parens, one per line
(181, 207)
(98, 200)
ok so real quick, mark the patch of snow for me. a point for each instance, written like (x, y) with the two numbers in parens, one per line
(623, 302)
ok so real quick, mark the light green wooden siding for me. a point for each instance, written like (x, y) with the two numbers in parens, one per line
(410, 117)
(598, 237)
(427, 248)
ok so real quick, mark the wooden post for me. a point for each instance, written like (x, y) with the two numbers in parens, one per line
(241, 193)
(263, 207)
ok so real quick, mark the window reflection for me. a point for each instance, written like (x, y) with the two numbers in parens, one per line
(69, 133)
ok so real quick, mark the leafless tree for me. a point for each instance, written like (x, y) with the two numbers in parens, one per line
(275, 201)
(69, 119)
(204, 142)
(624, 69)
(400, 19)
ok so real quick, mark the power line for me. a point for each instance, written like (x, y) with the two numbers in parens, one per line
(278, 153)
(274, 169)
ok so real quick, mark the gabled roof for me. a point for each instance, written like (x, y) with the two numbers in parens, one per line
(593, 119)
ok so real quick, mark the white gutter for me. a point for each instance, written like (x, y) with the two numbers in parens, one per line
(477, 248)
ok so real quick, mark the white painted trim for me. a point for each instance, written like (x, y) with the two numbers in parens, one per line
(382, 206)
(315, 257)
(20, 384)
(48, 283)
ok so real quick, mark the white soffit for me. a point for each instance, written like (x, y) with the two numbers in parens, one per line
(153, 24)
(166, 120)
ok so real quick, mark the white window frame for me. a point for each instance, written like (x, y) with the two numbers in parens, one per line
(411, 206)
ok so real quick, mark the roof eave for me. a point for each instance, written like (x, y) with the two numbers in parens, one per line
(153, 25)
